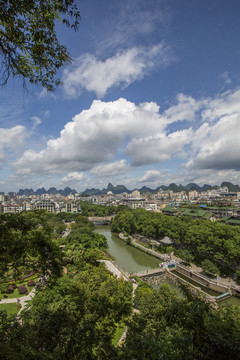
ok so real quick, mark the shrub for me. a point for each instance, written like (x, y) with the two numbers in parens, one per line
(22, 289)
(31, 283)
(10, 289)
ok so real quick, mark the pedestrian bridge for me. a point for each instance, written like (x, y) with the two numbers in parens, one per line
(223, 296)
(160, 270)
(101, 219)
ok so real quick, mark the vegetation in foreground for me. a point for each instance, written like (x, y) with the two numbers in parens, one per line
(76, 313)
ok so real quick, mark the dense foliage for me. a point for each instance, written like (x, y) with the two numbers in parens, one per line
(89, 209)
(195, 240)
(26, 242)
(75, 316)
(170, 328)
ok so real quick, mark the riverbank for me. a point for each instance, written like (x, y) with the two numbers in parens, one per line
(136, 258)
(220, 285)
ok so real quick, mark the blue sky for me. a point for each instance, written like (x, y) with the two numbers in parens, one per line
(152, 97)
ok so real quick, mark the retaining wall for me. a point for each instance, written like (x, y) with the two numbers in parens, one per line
(201, 280)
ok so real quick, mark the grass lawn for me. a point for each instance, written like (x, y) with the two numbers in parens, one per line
(16, 294)
(11, 309)
(119, 331)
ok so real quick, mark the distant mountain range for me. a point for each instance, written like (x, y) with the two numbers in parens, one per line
(121, 188)
(27, 192)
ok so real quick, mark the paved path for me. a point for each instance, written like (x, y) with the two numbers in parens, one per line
(220, 280)
(113, 268)
(118, 273)
(23, 300)
(135, 311)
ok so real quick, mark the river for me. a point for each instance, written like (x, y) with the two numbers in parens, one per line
(130, 259)
(127, 257)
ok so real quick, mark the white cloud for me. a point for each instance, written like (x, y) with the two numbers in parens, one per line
(185, 109)
(45, 113)
(111, 169)
(36, 121)
(107, 131)
(151, 176)
(94, 136)
(158, 148)
(225, 77)
(128, 23)
(46, 94)
(11, 140)
(124, 68)
(73, 178)
(219, 147)
(224, 104)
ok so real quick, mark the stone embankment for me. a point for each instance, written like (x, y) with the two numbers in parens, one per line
(174, 279)
(221, 284)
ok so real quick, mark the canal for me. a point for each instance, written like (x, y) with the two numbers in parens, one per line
(130, 259)
(127, 257)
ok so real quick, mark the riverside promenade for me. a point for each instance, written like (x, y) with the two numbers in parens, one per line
(115, 270)
(227, 282)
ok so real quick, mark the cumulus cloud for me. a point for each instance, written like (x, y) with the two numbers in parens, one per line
(111, 169)
(185, 109)
(95, 136)
(107, 131)
(158, 148)
(219, 146)
(151, 176)
(11, 140)
(216, 143)
(73, 178)
(124, 68)
(224, 104)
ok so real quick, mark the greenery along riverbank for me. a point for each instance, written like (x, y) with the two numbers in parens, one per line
(76, 312)
(194, 240)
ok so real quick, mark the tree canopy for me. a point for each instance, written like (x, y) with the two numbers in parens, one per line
(29, 46)
(76, 315)
(26, 241)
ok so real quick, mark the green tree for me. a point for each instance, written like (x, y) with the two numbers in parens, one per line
(185, 255)
(74, 319)
(29, 47)
(26, 241)
(209, 267)
(170, 328)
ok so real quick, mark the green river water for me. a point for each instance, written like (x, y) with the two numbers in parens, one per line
(130, 259)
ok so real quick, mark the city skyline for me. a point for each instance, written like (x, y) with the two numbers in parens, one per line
(152, 97)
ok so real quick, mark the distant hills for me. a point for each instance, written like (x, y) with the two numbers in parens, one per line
(27, 192)
(121, 188)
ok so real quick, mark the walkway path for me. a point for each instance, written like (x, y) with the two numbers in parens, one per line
(119, 273)
(114, 269)
(22, 300)
(220, 280)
